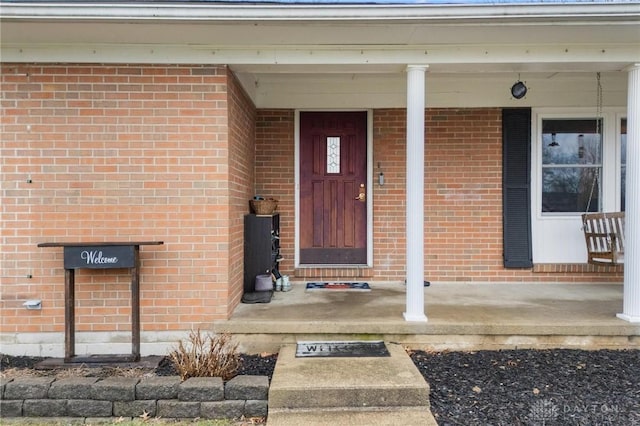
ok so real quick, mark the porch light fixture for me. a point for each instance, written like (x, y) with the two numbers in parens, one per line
(580, 146)
(33, 304)
(518, 90)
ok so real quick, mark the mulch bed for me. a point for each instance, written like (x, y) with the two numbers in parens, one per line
(12, 366)
(515, 387)
(257, 365)
(527, 387)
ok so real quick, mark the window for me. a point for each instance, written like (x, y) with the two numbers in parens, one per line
(571, 165)
(623, 162)
(578, 166)
(333, 155)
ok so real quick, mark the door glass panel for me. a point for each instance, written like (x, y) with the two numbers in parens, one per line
(623, 161)
(571, 165)
(333, 155)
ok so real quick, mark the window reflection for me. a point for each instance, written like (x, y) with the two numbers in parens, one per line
(571, 165)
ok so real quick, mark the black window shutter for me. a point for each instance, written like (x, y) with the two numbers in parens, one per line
(516, 187)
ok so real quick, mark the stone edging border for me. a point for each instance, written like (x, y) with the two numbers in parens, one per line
(157, 396)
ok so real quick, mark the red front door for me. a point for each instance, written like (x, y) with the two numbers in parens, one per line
(333, 172)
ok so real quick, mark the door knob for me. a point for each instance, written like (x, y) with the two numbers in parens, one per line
(362, 196)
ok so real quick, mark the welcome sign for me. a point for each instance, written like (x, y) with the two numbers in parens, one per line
(99, 257)
(342, 349)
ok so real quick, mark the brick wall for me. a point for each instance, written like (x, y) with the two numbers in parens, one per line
(275, 173)
(242, 124)
(463, 196)
(119, 152)
(389, 207)
(110, 152)
(463, 203)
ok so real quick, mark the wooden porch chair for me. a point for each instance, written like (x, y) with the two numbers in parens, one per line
(604, 235)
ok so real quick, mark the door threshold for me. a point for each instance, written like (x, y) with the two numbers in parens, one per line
(333, 271)
(332, 265)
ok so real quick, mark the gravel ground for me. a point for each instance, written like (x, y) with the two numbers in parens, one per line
(525, 387)
(519, 387)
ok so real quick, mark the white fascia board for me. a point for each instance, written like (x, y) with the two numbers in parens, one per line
(372, 59)
(93, 11)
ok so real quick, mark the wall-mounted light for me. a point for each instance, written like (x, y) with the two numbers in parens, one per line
(380, 176)
(33, 304)
(519, 89)
(580, 146)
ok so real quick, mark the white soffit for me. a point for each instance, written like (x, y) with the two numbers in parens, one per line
(316, 34)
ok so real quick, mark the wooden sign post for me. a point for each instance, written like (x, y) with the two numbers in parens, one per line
(104, 255)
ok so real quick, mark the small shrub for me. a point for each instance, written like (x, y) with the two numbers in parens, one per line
(206, 356)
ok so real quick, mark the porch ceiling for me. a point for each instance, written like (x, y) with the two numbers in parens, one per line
(268, 44)
(466, 69)
(267, 48)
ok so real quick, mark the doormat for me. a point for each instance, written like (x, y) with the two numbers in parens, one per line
(337, 286)
(342, 349)
(257, 297)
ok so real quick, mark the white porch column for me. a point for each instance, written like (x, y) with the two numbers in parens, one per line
(631, 298)
(415, 193)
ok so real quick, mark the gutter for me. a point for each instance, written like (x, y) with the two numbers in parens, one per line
(217, 12)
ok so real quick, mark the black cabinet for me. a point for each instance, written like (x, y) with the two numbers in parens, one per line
(261, 247)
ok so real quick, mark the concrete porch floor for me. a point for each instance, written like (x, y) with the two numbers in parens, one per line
(460, 317)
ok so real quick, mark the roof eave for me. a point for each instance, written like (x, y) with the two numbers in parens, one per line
(212, 12)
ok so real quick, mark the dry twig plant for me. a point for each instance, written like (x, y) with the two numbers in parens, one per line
(206, 356)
